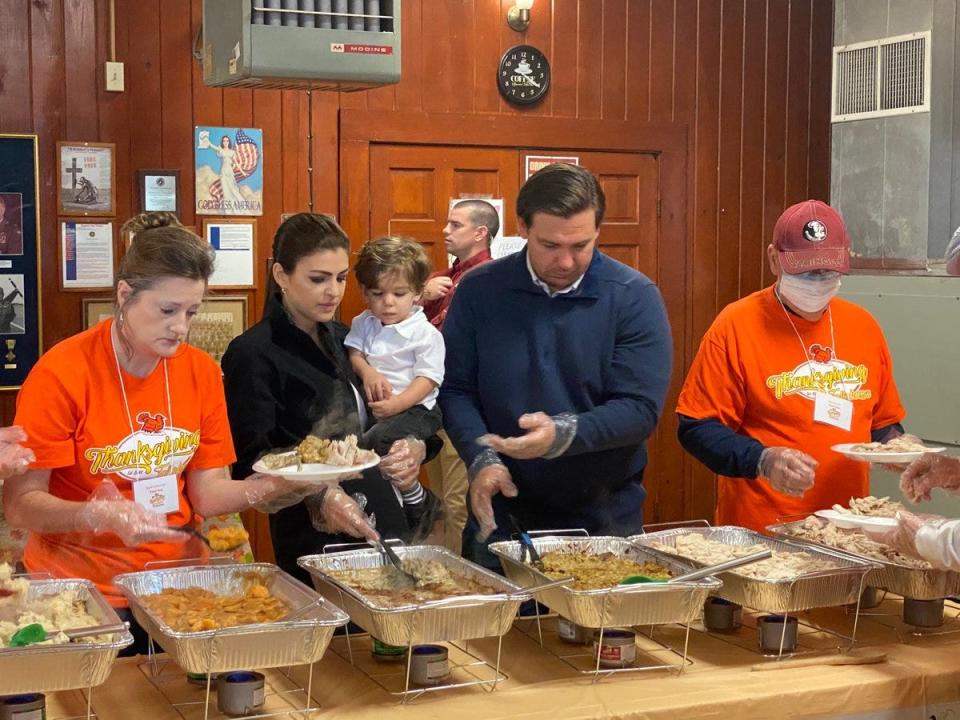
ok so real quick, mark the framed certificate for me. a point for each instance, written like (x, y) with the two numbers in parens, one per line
(86, 255)
(159, 190)
(20, 316)
(87, 179)
(234, 242)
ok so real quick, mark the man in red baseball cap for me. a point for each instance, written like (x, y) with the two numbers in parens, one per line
(786, 373)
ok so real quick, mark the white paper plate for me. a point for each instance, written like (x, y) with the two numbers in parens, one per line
(849, 521)
(873, 456)
(316, 472)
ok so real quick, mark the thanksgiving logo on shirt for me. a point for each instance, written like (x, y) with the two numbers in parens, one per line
(823, 372)
(155, 450)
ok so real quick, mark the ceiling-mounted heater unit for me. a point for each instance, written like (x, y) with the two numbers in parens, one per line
(314, 44)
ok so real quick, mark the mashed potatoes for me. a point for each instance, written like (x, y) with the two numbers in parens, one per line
(57, 612)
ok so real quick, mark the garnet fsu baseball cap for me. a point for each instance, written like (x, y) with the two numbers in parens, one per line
(811, 235)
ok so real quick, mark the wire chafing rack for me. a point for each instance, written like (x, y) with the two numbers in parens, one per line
(454, 621)
(916, 585)
(69, 666)
(300, 638)
(607, 609)
(787, 597)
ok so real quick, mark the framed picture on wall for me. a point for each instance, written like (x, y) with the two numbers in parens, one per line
(86, 254)
(220, 320)
(20, 342)
(234, 242)
(159, 190)
(95, 310)
(87, 179)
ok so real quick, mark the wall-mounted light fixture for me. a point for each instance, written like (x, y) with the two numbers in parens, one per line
(518, 16)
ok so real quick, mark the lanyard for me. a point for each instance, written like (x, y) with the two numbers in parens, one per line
(803, 346)
(123, 389)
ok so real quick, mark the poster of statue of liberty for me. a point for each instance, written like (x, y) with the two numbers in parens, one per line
(229, 171)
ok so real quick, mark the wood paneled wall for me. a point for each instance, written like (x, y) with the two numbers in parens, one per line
(749, 80)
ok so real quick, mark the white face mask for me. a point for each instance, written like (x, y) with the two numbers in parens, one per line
(809, 292)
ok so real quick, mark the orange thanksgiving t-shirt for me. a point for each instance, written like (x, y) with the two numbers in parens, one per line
(753, 374)
(72, 409)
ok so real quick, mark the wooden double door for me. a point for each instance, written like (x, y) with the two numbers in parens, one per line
(411, 187)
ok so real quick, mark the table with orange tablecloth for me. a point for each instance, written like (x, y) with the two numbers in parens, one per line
(921, 678)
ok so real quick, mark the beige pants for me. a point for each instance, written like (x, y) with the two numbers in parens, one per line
(448, 480)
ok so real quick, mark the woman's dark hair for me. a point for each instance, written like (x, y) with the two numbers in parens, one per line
(392, 255)
(301, 235)
(563, 190)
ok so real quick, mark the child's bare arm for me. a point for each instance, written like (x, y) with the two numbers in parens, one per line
(418, 389)
(375, 386)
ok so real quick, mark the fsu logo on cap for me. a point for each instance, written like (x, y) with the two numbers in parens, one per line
(815, 231)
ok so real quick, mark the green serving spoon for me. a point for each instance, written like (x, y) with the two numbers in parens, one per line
(35, 633)
(702, 572)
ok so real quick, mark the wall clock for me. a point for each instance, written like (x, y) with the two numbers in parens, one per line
(524, 75)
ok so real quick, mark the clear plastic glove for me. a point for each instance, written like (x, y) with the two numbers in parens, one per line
(929, 471)
(789, 471)
(401, 466)
(489, 481)
(336, 512)
(270, 493)
(14, 458)
(903, 537)
(539, 440)
(108, 511)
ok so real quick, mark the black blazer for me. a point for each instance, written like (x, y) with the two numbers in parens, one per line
(280, 387)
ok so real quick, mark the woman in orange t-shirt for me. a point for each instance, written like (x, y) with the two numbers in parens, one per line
(129, 426)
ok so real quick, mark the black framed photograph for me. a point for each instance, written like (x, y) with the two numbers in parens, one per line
(20, 343)
(159, 190)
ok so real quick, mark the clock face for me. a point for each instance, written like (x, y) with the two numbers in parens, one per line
(524, 75)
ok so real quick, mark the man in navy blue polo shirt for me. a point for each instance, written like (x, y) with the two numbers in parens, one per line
(558, 365)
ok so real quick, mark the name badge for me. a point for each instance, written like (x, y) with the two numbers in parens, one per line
(831, 410)
(157, 494)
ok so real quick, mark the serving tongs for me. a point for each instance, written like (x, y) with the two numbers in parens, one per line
(36, 633)
(528, 551)
(394, 559)
(702, 572)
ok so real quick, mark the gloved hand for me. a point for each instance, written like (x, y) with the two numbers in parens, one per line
(401, 466)
(929, 471)
(270, 493)
(108, 511)
(903, 537)
(14, 458)
(538, 440)
(489, 481)
(336, 512)
(789, 471)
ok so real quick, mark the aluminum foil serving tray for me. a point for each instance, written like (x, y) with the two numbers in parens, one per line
(455, 618)
(68, 666)
(910, 582)
(824, 588)
(300, 640)
(643, 604)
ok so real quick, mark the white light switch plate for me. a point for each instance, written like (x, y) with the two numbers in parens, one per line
(115, 76)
